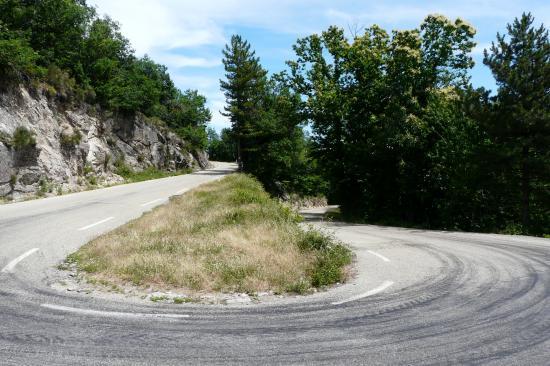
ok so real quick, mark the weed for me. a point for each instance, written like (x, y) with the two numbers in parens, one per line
(159, 298)
(23, 139)
(87, 169)
(70, 140)
(43, 188)
(224, 236)
(183, 300)
(92, 180)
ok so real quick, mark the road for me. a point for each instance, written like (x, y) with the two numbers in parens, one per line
(417, 297)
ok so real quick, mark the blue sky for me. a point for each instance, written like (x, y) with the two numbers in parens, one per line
(188, 36)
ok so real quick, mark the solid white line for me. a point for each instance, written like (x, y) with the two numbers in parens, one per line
(95, 224)
(380, 288)
(112, 313)
(11, 265)
(151, 202)
(379, 256)
(182, 191)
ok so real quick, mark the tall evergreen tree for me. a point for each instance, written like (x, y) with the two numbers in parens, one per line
(520, 65)
(244, 90)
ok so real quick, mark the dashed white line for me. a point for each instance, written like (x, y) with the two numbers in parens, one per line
(379, 255)
(374, 291)
(151, 202)
(95, 224)
(112, 313)
(11, 265)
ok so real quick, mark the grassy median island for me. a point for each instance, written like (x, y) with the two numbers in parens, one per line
(225, 236)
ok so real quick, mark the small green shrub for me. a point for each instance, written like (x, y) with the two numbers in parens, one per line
(63, 84)
(23, 139)
(87, 169)
(13, 180)
(328, 269)
(92, 180)
(315, 240)
(331, 257)
(159, 298)
(5, 138)
(301, 287)
(44, 187)
(70, 140)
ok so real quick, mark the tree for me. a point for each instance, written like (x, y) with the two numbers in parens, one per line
(521, 67)
(371, 101)
(17, 58)
(244, 89)
(62, 43)
(221, 147)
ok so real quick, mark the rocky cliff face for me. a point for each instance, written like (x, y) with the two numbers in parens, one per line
(76, 148)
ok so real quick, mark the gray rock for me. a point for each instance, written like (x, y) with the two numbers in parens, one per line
(104, 140)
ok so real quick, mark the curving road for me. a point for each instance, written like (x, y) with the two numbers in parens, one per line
(418, 297)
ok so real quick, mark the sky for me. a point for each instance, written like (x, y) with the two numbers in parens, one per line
(188, 35)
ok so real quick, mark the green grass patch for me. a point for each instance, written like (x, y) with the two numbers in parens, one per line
(224, 236)
(132, 176)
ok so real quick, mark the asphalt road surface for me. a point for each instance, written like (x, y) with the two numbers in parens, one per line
(417, 297)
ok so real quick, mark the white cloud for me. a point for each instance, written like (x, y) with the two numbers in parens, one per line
(179, 61)
(184, 34)
(169, 24)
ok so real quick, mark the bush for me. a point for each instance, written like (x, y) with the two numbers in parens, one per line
(331, 257)
(196, 137)
(63, 84)
(70, 140)
(16, 58)
(23, 139)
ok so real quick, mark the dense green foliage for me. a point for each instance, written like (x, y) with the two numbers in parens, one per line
(398, 132)
(520, 130)
(267, 124)
(221, 147)
(79, 57)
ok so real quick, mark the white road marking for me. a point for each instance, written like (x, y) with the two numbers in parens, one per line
(182, 191)
(112, 313)
(379, 256)
(374, 291)
(96, 223)
(151, 202)
(11, 265)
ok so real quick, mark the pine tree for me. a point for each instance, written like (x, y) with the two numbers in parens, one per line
(521, 68)
(244, 90)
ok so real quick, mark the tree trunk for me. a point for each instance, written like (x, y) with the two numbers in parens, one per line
(239, 155)
(525, 188)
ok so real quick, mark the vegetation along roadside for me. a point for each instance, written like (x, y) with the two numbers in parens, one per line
(226, 236)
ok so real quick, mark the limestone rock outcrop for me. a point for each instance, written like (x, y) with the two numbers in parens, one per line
(75, 146)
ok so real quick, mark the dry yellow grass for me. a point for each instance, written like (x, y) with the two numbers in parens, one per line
(224, 236)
